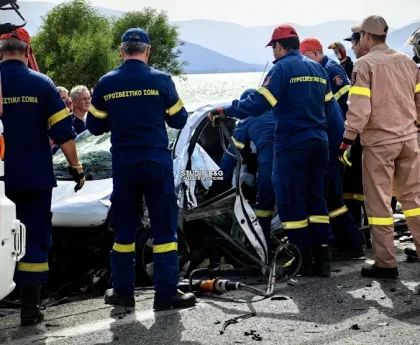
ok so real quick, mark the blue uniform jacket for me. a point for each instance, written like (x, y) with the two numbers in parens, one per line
(133, 102)
(295, 88)
(33, 112)
(259, 130)
(340, 83)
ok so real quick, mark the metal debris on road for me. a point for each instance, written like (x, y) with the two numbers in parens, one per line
(255, 335)
(236, 320)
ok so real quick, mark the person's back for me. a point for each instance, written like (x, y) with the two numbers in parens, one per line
(133, 102)
(301, 102)
(136, 98)
(340, 84)
(33, 111)
(389, 97)
(296, 89)
(23, 93)
(261, 130)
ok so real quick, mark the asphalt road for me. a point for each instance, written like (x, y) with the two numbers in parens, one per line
(343, 309)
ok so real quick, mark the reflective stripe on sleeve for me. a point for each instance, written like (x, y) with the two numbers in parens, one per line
(414, 212)
(175, 108)
(341, 92)
(124, 248)
(57, 117)
(358, 90)
(300, 224)
(238, 144)
(381, 220)
(263, 213)
(97, 113)
(338, 212)
(351, 196)
(31, 267)
(268, 96)
(319, 219)
(164, 248)
(329, 96)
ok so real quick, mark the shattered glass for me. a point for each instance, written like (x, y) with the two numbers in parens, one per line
(95, 156)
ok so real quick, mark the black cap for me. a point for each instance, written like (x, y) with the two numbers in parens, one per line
(354, 36)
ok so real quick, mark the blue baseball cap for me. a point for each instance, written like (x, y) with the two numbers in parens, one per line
(136, 35)
(246, 93)
(354, 36)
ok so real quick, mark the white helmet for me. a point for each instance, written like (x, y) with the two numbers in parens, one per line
(414, 41)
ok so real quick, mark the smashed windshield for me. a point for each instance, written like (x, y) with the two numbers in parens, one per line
(94, 155)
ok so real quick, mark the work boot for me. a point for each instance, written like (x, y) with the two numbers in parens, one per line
(322, 260)
(30, 313)
(181, 300)
(306, 270)
(411, 253)
(111, 297)
(373, 271)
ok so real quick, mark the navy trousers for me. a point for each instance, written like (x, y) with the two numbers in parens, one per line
(33, 209)
(156, 183)
(265, 193)
(299, 185)
(344, 227)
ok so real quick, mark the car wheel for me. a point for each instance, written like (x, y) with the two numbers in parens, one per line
(145, 265)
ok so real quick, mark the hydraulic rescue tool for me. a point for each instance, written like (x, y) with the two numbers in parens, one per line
(12, 231)
(281, 264)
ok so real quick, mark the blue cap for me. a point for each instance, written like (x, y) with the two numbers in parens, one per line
(354, 36)
(246, 93)
(136, 35)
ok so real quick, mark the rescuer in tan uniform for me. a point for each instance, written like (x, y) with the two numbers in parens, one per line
(384, 103)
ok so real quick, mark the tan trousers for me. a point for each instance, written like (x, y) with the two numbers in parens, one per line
(383, 165)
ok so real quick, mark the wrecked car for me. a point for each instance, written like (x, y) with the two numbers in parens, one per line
(220, 233)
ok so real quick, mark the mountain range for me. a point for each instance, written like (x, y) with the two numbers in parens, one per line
(216, 47)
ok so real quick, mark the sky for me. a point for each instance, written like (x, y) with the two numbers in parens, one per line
(250, 13)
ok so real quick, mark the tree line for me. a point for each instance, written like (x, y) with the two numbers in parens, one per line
(76, 44)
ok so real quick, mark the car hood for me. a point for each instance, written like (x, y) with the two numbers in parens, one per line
(88, 207)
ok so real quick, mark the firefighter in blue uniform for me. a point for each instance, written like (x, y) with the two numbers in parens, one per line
(345, 229)
(32, 112)
(259, 130)
(340, 83)
(296, 89)
(133, 102)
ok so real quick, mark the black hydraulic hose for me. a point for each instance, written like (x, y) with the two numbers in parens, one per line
(230, 286)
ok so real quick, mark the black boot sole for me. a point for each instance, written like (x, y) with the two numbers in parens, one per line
(32, 322)
(123, 302)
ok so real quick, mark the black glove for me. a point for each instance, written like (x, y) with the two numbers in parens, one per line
(78, 176)
(344, 155)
